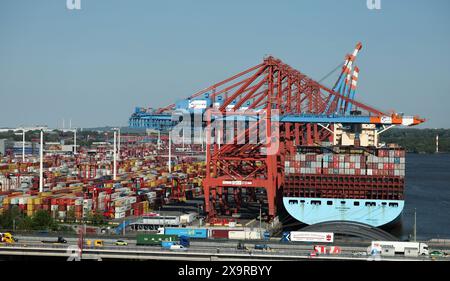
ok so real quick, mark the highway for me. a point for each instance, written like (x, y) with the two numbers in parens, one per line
(198, 250)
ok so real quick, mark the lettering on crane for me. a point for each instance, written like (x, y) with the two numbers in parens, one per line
(385, 120)
(238, 183)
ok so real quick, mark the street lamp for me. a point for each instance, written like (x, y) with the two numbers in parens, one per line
(41, 162)
(118, 141)
(415, 226)
(116, 151)
(170, 152)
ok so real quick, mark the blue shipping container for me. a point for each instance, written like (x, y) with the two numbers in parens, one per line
(189, 232)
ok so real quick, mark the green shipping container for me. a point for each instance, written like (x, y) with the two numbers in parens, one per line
(154, 239)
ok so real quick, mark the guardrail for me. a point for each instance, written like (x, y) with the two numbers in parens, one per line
(143, 252)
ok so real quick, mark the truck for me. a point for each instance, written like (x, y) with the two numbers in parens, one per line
(182, 244)
(154, 239)
(7, 238)
(200, 233)
(59, 240)
(399, 247)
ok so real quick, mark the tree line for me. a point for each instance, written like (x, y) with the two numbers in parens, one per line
(418, 140)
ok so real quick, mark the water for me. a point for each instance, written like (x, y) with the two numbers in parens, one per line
(428, 191)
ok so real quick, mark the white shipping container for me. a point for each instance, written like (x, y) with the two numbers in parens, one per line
(115, 195)
(187, 218)
(23, 200)
(87, 201)
(245, 235)
(119, 215)
(304, 236)
(122, 209)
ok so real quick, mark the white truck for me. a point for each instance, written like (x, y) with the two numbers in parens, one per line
(400, 247)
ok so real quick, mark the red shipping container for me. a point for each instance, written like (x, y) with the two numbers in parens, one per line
(219, 233)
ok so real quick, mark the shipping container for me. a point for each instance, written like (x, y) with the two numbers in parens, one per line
(244, 235)
(154, 239)
(219, 233)
(189, 232)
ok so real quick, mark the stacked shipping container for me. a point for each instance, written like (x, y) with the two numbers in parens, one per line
(364, 174)
(387, 162)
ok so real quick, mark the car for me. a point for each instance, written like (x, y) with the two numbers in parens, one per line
(263, 247)
(177, 247)
(98, 243)
(121, 243)
(437, 254)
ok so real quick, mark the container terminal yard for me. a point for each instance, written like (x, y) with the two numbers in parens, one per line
(213, 176)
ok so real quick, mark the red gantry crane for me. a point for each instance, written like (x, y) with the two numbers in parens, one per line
(285, 106)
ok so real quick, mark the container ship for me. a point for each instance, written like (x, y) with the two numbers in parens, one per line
(360, 183)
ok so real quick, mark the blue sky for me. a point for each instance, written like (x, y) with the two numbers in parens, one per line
(96, 64)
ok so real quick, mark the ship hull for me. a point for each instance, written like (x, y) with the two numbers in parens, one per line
(368, 211)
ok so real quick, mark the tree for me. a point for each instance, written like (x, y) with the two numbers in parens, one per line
(71, 215)
(25, 224)
(96, 218)
(42, 220)
(9, 217)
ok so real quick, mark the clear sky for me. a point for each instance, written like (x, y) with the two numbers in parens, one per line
(96, 64)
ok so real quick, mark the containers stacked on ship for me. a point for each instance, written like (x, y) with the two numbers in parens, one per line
(363, 185)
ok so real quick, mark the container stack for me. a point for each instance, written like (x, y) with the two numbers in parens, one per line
(344, 164)
(385, 162)
(309, 163)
